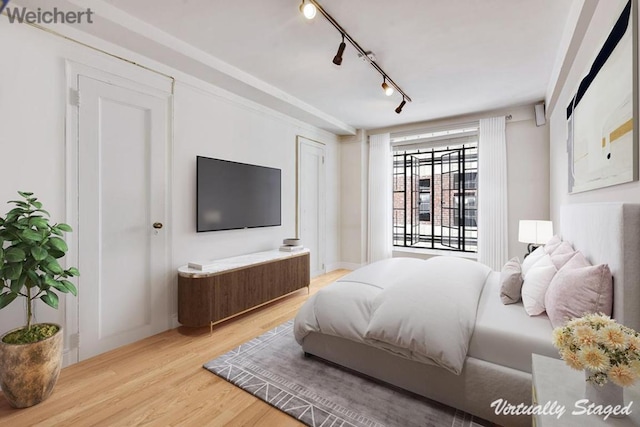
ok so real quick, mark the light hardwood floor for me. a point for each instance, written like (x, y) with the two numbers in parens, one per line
(159, 381)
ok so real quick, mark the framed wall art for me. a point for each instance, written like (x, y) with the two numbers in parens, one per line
(603, 134)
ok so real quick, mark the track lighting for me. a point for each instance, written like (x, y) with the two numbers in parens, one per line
(308, 9)
(338, 58)
(388, 90)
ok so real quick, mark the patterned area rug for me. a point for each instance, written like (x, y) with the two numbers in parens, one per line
(273, 368)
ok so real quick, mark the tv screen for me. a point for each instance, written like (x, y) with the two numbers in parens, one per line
(237, 195)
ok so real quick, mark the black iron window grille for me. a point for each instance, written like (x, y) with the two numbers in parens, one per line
(435, 198)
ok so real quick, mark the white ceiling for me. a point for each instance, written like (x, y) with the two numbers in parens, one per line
(452, 57)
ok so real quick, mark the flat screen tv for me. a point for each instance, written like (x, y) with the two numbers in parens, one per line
(237, 195)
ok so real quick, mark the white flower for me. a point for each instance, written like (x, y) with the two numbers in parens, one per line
(572, 360)
(594, 358)
(622, 375)
(613, 337)
(596, 342)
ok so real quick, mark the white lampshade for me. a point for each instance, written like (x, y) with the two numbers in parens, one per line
(536, 232)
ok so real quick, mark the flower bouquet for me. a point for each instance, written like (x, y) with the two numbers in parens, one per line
(608, 350)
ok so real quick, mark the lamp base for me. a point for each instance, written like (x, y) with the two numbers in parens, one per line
(530, 248)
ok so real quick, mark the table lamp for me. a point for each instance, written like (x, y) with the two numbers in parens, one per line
(534, 233)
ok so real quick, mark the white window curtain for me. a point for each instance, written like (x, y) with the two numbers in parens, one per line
(492, 193)
(380, 197)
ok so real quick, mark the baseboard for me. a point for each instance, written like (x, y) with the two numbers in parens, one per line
(69, 357)
(174, 321)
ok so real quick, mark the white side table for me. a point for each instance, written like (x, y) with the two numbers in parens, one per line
(552, 381)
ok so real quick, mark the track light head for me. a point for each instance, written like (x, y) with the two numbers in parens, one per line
(309, 10)
(388, 90)
(399, 109)
(338, 58)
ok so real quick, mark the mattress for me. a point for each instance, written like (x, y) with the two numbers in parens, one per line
(505, 334)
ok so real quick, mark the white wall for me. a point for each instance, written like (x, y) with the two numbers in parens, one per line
(603, 19)
(528, 175)
(210, 125)
(207, 121)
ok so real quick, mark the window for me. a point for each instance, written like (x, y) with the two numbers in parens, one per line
(435, 190)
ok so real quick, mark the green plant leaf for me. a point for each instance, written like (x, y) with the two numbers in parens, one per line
(32, 235)
(33, 276)
(54, 267)
(54, 253)
(57, 284)
(6, 299)
(19, 203)
(64, 227)
(51, 299)
(59, 244)
(43, 211)
(70, 287)
(12, 271)
(51, 282)
(38, 222)
(56, 231)
(14, 254)
(16, 285)
(25, 194)
(19, 210)
(36, 204)
(39, 253)
(73, 271)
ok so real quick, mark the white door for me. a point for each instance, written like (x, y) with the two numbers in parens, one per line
(122, 153)
(311, 201)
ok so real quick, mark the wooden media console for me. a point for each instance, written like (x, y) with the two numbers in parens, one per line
(222, 289)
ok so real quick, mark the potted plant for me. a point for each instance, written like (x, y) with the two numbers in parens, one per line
(30, 247)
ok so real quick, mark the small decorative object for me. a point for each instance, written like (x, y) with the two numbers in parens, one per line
(608, 352)
(30, 247)
(291, 244)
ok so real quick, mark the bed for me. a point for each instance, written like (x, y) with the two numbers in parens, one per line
(496, 363)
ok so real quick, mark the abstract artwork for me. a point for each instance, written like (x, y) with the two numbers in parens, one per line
(603, 139)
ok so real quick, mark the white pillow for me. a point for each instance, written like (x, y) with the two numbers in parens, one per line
(535, 285)
(532, 259)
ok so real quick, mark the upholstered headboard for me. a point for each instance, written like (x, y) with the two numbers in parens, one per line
(609, 233)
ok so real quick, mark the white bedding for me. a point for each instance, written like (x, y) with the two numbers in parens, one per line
(505, 334)
(420, 310)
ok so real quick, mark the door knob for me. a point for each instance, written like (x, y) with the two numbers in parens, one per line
(157, 225)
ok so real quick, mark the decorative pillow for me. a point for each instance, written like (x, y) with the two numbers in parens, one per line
(511, 281)
(552, 244)
(532, 259)
(559, 260)
(576, 261)
(575, 291)
(535, 285)
(562, 248)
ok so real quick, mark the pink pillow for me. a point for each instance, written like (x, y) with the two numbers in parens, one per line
(577, 261)
(562, 248)
(559, 260)
(576, 290)
(552, 244)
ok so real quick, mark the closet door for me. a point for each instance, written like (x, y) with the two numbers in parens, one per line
(122, 176)
(311, 201)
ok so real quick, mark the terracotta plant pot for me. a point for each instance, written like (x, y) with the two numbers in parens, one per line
(28, 372)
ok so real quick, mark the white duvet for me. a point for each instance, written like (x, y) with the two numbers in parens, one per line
(420, 310)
